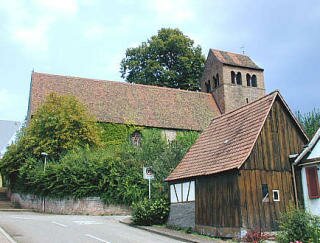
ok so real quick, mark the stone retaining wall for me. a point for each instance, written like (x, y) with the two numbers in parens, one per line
(90, 205)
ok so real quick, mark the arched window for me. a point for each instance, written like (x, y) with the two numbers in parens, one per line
(217, 81)
(136, 138)
(239, 78)
(248, 77)
(254, 81)
(208, 86)
(233, 77)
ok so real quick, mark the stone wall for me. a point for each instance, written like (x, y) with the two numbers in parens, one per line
(182, 215)
(90, 205)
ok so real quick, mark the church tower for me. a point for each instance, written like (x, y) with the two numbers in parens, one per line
(233, 79)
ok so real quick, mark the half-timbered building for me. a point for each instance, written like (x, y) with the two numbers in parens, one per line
(237, 175)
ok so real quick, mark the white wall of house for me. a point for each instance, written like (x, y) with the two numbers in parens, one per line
(315, 153)
(311, 205)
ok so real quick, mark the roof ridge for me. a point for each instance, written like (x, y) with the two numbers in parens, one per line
(212, 49)
(245, 106)
(125, 83)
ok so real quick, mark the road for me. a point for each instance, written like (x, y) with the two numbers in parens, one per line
(28, 227)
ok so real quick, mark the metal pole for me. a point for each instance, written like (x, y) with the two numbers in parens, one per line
(44, 170)
(45, 163)
(149, 188)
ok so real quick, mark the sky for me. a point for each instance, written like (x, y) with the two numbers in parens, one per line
(88, 38)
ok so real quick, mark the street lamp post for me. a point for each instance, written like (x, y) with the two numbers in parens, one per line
(45, 161)
(44, 170)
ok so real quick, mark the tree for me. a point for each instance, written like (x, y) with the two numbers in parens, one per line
(60, 124)
(167, 59)
(310, 121)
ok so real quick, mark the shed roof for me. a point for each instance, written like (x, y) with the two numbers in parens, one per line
(227, 142)
(234, 59)
(120, 102)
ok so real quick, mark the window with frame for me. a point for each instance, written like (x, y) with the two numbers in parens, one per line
(182, 192)
(276, 195)
(313, 182)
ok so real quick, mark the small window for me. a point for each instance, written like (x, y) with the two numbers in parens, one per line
(239, 78)
(247, 100)
(265, 193)
(254, 81)
(217, 81)
(313, 182)
(208, 86)
(276, 195)
(136, 138)
(233, 77)
(248, 77)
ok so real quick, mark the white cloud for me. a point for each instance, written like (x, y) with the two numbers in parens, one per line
(95, 31)
(29, 22)
(10, 103)
(34, 37)
(58, 6)
(176, 11)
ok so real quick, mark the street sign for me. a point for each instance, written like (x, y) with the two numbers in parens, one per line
(148, 173)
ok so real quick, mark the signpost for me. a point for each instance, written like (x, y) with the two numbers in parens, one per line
(149, 175)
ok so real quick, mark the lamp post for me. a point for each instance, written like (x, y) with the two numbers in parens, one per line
(45, 161)
(44, 170)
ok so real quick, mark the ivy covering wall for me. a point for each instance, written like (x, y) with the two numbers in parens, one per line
(110, 168)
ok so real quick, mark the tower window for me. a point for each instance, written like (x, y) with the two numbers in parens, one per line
(239, 78)
(216, 81)
(265, 193)
(248, 77)
(254, 81)
(233, 77)
(208, 86)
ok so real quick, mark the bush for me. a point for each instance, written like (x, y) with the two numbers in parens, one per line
(149, 212)
(298, 225)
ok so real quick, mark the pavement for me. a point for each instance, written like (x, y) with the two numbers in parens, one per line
(31, 227)
(174, 234)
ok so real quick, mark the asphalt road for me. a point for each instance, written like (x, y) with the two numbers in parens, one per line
(26, 227)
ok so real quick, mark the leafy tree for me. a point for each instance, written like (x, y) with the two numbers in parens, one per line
(310, 121)
(59, 125)
(167, 59)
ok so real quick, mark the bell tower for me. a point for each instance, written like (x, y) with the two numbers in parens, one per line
(233, 79)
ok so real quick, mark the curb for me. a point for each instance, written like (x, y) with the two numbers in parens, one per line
(157, 232)
(6, 235)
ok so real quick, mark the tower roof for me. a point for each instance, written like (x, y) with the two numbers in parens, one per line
(234, 59)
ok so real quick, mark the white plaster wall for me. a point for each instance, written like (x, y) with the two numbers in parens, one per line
(315, 153)
(311, 205)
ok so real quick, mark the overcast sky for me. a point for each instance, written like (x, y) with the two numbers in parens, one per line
(88, 38)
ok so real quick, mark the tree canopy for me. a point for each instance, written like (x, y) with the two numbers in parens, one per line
(310, 121)
(60, 124)
(167, 59)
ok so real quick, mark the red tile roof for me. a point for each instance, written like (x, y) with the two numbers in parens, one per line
(235, 59)
(120, 102)
(227, 142)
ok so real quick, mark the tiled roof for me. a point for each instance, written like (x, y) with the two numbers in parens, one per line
(235, 59)
(120, 102)
(227, 142)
